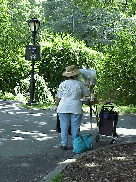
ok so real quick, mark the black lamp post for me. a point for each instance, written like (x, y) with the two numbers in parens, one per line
(34, 24)
(73, 20)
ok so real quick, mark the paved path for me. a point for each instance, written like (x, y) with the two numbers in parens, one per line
(29, 144)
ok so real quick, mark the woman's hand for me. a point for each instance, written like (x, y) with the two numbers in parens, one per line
(54, 108)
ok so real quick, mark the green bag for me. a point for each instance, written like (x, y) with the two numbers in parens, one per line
(82, 143)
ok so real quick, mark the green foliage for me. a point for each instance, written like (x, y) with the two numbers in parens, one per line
(118, 71)
(105, 25)
(42, 93)
(86, 5)
(126, 6)
(58, 178)
(12, 64)
(7, 96)
(61, 51)
(38, 106)
(14, 36)
(95, 22)
(121, 110)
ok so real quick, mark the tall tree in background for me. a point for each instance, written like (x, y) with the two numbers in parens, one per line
(99, 25)
(95, 22)
(118, 72)
(14, 37)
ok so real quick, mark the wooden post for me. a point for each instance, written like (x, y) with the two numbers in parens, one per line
(91, 116)
(91, 90)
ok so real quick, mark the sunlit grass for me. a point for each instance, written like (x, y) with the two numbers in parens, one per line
(38, 106)
(21, 98)
(126, 109)
(122, 110)
(59, 178)
(10, 96)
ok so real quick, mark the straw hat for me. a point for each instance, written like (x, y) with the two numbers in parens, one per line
(70, 71)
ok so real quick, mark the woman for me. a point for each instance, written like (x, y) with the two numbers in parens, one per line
(69, 104)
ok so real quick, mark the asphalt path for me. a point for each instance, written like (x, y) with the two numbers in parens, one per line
(29, 143)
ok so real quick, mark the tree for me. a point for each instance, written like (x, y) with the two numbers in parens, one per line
(118, 71)
(100, 24)
(14, 37)
(95, 22)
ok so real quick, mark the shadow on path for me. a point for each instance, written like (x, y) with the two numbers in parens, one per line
(29, 144)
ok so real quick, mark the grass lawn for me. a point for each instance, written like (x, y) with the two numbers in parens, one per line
(122, 110)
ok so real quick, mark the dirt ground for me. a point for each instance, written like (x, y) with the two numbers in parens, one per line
(114, 164)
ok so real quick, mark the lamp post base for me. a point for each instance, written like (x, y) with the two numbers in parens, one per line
(31, 103)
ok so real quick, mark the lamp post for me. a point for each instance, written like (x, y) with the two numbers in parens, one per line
(34, 24)
(73, 20)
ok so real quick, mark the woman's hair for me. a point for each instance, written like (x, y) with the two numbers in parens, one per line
(71, 77)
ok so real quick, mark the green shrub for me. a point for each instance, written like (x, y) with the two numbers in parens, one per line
(118, 70)
(60, 51)
(42, 93)
(58, 178)
(6, 96)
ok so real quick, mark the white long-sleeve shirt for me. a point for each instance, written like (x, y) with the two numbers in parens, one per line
(70, 92)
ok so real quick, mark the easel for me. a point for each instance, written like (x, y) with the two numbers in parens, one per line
(90, 103)
(91, 112)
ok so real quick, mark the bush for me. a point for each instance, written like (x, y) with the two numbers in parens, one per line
(118, 70)
(6, 96)
(42, 93)
(60, 51)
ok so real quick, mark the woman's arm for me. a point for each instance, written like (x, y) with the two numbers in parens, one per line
(57, 101)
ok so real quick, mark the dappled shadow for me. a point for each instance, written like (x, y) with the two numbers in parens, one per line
(30, 134)
(126, 127)
(128, 122)
(116, 163)
(34, 124)
(21, 121)
(28, 143)
(126, 130)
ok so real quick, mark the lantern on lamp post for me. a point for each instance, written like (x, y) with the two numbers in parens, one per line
(34, 24)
